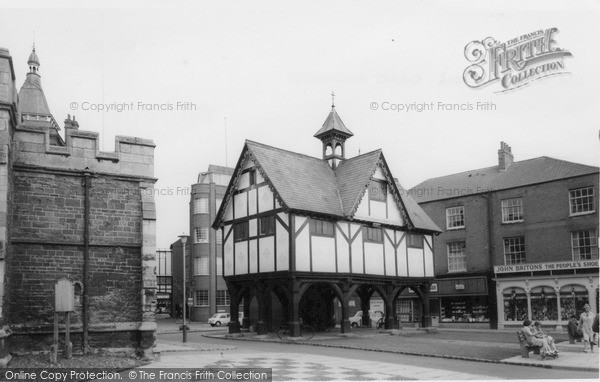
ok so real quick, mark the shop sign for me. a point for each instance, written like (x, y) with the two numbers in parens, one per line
(554, 266)
(459, 286)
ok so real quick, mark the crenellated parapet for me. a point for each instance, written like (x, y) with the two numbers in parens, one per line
(132, 156)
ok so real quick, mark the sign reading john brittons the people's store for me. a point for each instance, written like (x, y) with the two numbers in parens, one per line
(555, 266)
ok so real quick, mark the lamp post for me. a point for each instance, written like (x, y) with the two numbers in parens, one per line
(183, 239)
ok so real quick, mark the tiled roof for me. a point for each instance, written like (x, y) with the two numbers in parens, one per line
(309, 184)
(333, 123)
(353, 176)
(518, 174)
(31, 96)
(220, 169)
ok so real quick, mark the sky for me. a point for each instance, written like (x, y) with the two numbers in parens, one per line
(224, 72)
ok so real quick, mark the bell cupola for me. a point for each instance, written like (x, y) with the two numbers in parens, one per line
(333, 135)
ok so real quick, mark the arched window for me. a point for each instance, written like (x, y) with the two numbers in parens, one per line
(338, 149)
(543, 304)
(328, 150)
(572, 299)
(515, 304)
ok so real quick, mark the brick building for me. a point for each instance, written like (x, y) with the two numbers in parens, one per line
(519, 241)
(69, 210)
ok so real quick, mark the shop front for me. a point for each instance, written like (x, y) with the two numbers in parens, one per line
(454, 303)
(547, 292)
(464, 302)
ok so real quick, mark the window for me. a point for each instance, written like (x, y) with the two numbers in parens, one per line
(252, 177)
(514, 250)
(266, 225)
(374, 235)
(202, 297)
(201, 235)
(512, 210)
(414, 241)
(201, 206)
(241, 231)
(164, 284)
(581, 200)
(378, 191)
(457, 261)
(223, 297)
(455, 217)
(201, 267)
(321, 227)
(584, 244)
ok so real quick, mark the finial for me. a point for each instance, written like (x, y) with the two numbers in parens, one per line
(332, 99)
(34, 41)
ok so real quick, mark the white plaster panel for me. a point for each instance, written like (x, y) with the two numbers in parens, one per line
(283, 216)
(323, 254)
(265, 199)
(253, 258)
(402, 257)
(241, 205)
(343, 250)
(229, 212)
(357, 255)
(241, 258)
(228, 257)
(415, 262)
(252, 227)
(363, 208)
(267, 251)
(252, 202)
(303, 251)
(249, 164)
(428, 261)
(299, 221)
(259, 177)
(390, 254)
(283, 247)
(379, 174)
(353, 229)
(374, 259)
(244, 181)
(378, 210)
(393, 210)
(226, 230)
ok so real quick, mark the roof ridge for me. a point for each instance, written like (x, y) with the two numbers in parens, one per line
(287, 151)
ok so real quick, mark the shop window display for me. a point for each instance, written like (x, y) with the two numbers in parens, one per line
(543, 304)
(572, 300)
(465, 309)
(515, 304)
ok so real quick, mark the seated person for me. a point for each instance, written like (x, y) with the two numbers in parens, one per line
(539, 333)
(542, 342)
(572, 328)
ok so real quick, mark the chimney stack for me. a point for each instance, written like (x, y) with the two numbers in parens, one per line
(505, 157)
(71, 123)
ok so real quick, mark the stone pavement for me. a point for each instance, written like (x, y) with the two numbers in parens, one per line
(473, 345)
(301, 367)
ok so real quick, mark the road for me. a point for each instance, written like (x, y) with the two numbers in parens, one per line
(406, 366)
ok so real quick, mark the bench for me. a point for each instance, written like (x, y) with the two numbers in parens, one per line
(527, 346)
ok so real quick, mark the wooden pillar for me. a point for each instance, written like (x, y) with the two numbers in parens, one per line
(345, 324)
(426, 321)
(389, 311)
(246, 319)
(294, 310)
(261, 324)
(234, 293)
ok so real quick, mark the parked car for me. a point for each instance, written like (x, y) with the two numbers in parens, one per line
(219, 319)
(356, 320)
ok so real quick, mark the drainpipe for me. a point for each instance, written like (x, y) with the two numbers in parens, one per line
(86, 258)
(491, 285)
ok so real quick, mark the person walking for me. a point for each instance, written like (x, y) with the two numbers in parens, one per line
(586, 320)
